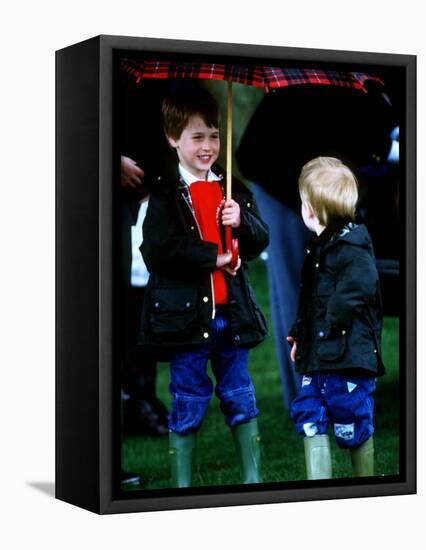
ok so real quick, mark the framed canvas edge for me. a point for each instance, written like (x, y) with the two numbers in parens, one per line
(108, 504)
(76, 275)
(253, 50)
(410, 290)
(257, 497)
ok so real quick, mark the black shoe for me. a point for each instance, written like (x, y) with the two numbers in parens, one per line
(129, 479)
(143, 417)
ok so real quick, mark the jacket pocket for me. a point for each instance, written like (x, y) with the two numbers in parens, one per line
(173, 310)
(331, 345)
(325, 288)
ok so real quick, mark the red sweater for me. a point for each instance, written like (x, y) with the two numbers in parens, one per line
(206, 197)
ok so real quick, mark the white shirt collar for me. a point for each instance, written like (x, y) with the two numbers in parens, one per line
(189, 178)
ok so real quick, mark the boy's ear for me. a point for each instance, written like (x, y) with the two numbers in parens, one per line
(172, 142)
(310, 212)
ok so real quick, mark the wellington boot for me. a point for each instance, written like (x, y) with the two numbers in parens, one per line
(247, 445)
(363, 459)
(318, 457)
(181, 451)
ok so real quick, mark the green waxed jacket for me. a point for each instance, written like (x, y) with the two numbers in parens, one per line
(178, 305)
(339, 319)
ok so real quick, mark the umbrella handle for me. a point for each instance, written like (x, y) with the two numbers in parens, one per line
(232, 246)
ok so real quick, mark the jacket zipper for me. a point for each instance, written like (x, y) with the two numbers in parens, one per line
(201, 237)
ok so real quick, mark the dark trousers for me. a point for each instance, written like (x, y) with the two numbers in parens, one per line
(346, 402)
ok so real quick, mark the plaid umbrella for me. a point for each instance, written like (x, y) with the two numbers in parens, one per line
(266, 77)
(259, 76)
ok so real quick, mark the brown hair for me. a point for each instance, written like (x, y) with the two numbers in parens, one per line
(330, 188)
(179, 107)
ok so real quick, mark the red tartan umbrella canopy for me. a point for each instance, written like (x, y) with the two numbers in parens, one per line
(260, 76)
(266, 77)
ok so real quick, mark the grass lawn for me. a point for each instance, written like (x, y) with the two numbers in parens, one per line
(282, 448)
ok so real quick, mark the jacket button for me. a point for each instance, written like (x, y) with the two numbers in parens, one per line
(248, 205)
(205, 299)
(308, 251)
(375, 351)
(317, 266)
(188, 304)
(206, 335)
(321, 334)
(157, 305)
(343, 332)
(192, 228)
(237, 338)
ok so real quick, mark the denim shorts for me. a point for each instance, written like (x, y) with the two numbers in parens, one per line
(345, 402)
(192, 388)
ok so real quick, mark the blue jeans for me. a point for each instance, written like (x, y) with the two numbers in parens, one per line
(344, 401)
(192, 388)
(287, 239)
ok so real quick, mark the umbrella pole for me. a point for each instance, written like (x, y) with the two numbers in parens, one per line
(231, 244)
(229, 143)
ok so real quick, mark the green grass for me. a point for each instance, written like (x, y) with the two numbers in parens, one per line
(282, 448)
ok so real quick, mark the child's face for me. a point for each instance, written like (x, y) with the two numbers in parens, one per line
(198, 147)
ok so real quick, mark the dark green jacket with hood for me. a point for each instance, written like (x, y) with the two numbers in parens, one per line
(339, 319)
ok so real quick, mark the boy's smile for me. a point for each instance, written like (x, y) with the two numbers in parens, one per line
(197, 147)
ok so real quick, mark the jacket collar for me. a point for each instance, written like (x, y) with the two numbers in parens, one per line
(352, 233)
(189, 178)
(331, 233)
(172, 178)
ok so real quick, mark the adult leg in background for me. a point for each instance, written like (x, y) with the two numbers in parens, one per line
(288, 237)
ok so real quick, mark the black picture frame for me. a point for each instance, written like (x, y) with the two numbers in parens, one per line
(84, 286)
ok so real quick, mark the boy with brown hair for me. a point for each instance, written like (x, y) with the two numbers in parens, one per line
(198, 307)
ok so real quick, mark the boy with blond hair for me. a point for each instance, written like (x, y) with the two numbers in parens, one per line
(336, 337)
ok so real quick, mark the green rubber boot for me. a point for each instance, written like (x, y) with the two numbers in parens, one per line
(362, 458)
(181, 451)
(318, 457)
(247, 445)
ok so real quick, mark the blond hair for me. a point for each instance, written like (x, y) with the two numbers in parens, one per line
(330, 188)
